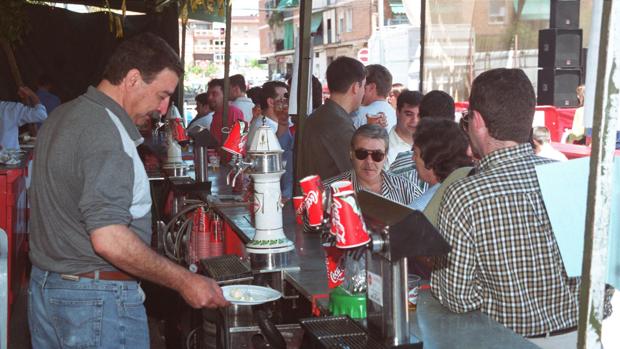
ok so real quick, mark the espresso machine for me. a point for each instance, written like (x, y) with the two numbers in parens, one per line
(397, 233)
(270, 249)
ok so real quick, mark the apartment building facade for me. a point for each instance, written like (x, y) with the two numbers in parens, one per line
(205, 42)
(339, 28)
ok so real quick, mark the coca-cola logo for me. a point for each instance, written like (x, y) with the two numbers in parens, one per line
(337, 275)
(337, 227)
(242, 141)
(312, 198)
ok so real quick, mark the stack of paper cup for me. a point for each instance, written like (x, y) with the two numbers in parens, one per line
(347, 222)
(313, 199)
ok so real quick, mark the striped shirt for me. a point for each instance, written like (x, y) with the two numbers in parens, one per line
(404, 166)
(505, 260)
(393, 187)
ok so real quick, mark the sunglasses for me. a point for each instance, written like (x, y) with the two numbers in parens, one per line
(362, 154)
(464, 122)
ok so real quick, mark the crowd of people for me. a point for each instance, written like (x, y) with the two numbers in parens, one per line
(473, 178)
(471, 174)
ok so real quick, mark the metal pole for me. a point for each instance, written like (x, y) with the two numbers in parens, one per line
(422, 41)
(305, 15)
(181, 101)
(600, 184)
(227, 62)
(380, 14)
(381, 22)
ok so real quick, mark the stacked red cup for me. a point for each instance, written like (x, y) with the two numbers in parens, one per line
(313, 199)
(216, 244)
(347, 221)
(235, 143)
(179, 130)
(200, 233)
(341, 186)
(337, 187)
(334, 264)
(299, 208)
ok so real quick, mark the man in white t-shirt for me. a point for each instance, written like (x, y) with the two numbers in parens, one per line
(238, 98)
(378, 86)
(541, 139)
(204, 115)
(408, 116)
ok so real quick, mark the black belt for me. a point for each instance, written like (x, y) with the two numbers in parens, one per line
(555, 333)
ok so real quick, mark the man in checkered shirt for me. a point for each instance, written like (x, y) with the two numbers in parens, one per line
(505, 260)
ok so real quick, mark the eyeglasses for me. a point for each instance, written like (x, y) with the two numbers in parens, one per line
(283, 99)
(376, 155)
(464, 122)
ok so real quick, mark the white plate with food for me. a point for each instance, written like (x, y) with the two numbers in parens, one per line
(249, 294)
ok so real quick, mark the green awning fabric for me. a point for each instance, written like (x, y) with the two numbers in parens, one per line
(289, 35)
(317, 19)
(397, 7)
(288, 3)
(201, 14)
(534, 10)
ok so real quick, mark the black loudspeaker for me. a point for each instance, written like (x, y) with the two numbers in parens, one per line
(564, 14)
(559, 48)
(584, 64)
(557, 87)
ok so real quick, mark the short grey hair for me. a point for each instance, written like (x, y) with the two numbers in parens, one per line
(372, 131)
(541, 135)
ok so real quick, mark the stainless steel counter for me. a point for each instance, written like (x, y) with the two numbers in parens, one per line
(434, 324)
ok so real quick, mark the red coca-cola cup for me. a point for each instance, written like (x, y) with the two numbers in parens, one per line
(341, 186)
(238, 136)
(299, 208)
(179, 131)
(313, 199)
(334, 263)
(338, 187)
(347, 221)
(200, 235)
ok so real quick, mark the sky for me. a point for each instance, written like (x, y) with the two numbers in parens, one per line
(245, 7)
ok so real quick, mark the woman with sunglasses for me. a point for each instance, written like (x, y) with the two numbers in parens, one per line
(369, 146)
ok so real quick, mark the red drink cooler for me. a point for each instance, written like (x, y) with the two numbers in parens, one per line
(13, 220)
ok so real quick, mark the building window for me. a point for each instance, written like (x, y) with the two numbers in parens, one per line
(340, 27)
(329, 30)
(497, 11)
(348, 15)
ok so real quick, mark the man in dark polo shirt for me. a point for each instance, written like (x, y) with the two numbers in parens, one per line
(327, 132)
(90, 221)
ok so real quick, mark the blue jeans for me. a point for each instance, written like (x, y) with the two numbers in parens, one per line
(87, 313)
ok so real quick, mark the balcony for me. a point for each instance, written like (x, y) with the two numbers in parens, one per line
(207, 33)
(317, 40)
(279, 44)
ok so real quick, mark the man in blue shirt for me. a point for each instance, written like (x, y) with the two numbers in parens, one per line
(15, 114)
(274, 104)
(48, 99)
